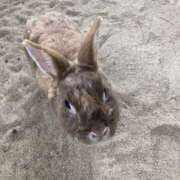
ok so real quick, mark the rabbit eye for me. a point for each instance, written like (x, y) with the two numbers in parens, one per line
(70, 107)
(104, 95)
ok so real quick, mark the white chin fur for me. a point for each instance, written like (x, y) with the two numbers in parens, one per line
(107, 135)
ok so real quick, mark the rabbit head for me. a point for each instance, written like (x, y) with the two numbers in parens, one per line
(84, 101)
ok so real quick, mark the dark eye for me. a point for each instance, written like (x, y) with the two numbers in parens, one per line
(69, 106)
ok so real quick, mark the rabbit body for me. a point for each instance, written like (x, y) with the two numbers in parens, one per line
(80, 93)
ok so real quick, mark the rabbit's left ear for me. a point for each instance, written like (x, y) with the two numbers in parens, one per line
(87, 54)
(46, 59)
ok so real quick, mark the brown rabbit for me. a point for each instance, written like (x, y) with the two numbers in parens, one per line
(68, 72)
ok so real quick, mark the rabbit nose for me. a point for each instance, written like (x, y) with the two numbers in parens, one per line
(95, 136)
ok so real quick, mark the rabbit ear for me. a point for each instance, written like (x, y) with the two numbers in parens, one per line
(48, 60)
(87, 54)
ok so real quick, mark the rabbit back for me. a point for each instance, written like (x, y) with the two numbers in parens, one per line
(56, 31)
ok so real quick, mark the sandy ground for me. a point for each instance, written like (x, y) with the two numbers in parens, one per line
(139, 49)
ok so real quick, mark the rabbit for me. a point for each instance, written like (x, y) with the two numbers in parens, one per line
(68, 72)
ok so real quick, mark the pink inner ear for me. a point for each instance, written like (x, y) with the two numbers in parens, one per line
(43, 61)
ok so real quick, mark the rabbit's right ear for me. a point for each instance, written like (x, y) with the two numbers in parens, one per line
(47, 60)
(87, 54)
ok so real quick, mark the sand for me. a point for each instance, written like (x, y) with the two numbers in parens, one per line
(139, 50)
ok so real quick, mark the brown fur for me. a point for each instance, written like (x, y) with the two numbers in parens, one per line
(83, 101)
(55, 31)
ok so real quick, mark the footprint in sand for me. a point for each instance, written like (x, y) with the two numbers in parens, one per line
(166, 151)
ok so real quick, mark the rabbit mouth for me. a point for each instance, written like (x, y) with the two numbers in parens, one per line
(93, 138)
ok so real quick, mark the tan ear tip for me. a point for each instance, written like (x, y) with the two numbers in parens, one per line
(25, 42)
(99, 19)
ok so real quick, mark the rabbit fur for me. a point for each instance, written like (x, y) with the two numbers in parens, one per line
(68, 72)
